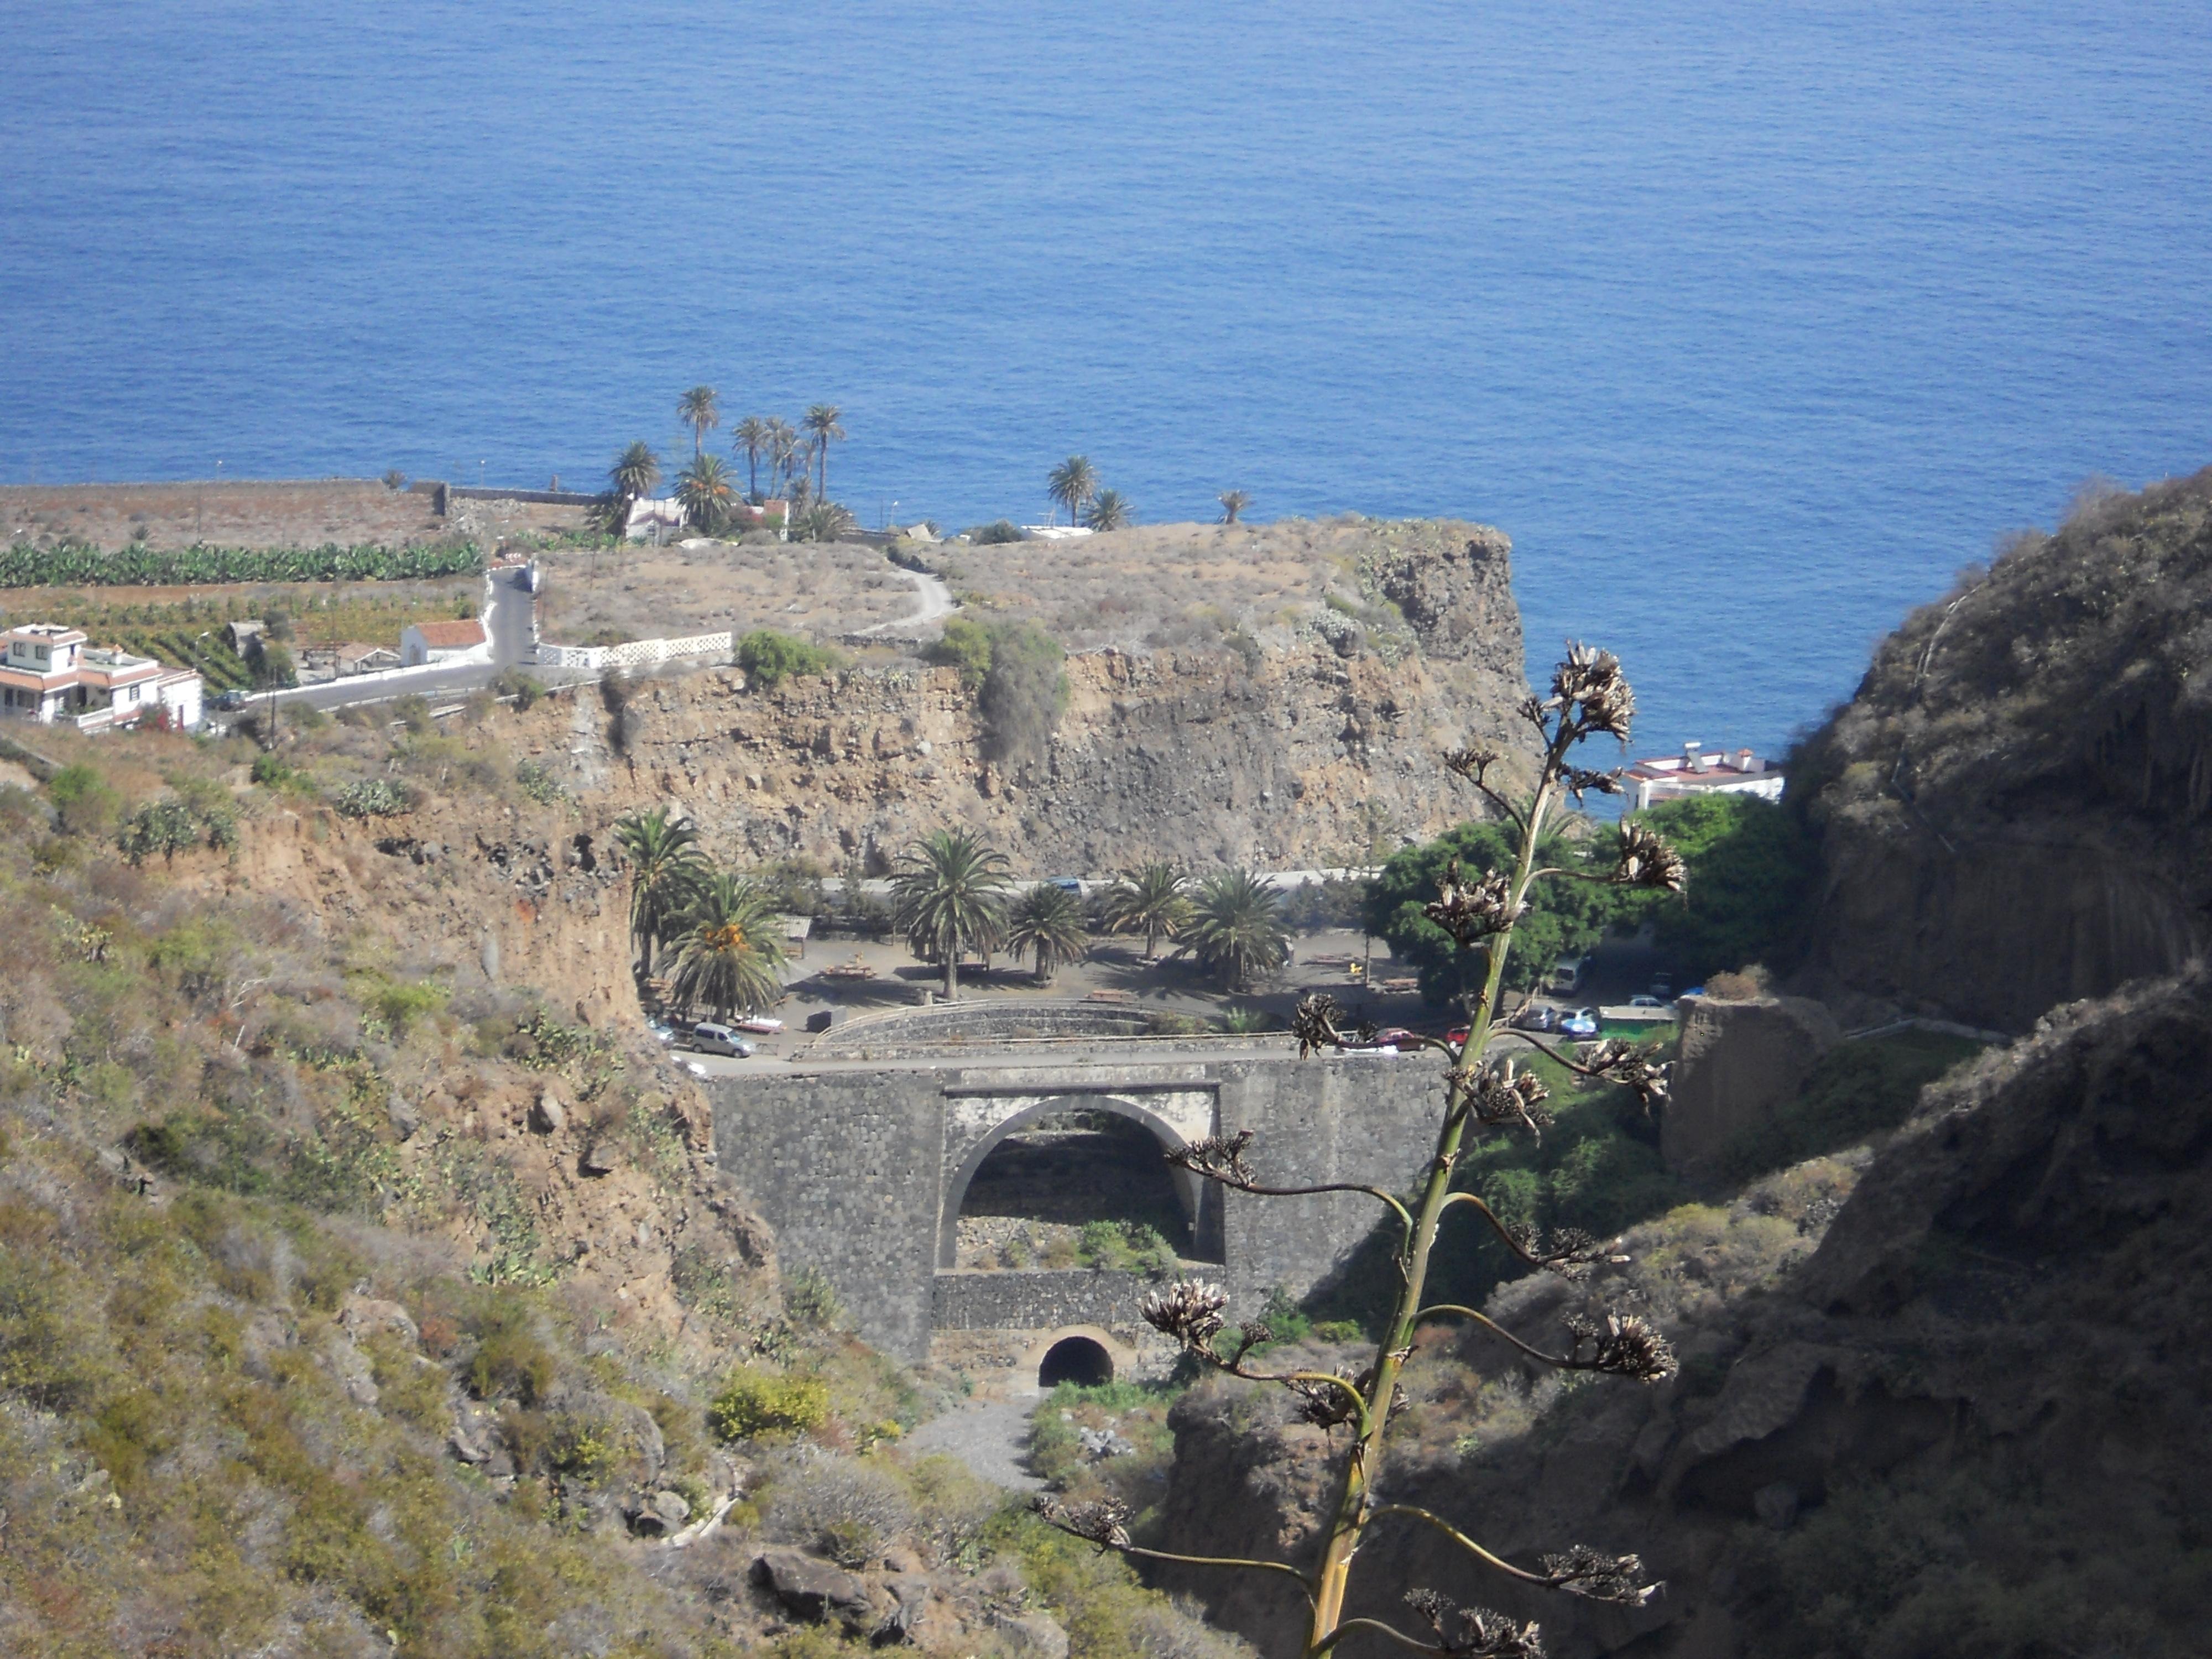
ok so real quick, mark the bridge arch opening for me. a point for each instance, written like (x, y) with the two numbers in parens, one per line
(1066, 1176)
(1077, 1360)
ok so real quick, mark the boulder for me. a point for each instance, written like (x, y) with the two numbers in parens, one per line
(1739, 1061)
(807, 1587)
(365, 1316)
(548, 1116)
(1035, 1635)
(598, 1159)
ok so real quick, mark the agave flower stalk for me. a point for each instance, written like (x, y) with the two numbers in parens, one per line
(1483, 1096)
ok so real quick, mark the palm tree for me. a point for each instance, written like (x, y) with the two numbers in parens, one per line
(1237, 927)
(704, 489)
(1148, 900)
(633, 476)
(783, 446)
(1047, 921)
(666, 870)
(750, 437)
(1108, 510)
(1233, 501)
(1072, 483)
(821, 422)
(729, 944)
(949, 896)
(696, 408)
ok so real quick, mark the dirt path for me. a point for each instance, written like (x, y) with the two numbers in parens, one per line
(937, 603)
(991, 1436)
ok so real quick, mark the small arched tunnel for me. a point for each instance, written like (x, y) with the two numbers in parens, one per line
(1076, 1359)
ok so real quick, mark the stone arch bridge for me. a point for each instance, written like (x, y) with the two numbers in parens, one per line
(863, 1171)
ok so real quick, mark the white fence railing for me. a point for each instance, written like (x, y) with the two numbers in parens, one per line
(638, 654)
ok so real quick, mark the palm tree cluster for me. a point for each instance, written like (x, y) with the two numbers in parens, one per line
(793, 452)
(723, 929)
(952, 897)
(797, 458)
(1074, 485)
(1231, 920)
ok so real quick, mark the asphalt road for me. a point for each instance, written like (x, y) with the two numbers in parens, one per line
(507, 618)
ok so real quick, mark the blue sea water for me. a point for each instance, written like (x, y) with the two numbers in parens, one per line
(1750, 320)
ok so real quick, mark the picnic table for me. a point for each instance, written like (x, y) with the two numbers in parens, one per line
(856, 969)
(1400, 986)
(1111, 996)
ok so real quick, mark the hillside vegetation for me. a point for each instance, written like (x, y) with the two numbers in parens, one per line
(367, 1283)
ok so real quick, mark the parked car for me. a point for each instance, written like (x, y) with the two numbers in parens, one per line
(1649, 1002)
(1066, 884)
(1537, 1016)
(1398, 1038)
(1456, 1036)
(709, 1038)
(233, 698)
(661, 1030)
(759, 1024)
(1583, 1023)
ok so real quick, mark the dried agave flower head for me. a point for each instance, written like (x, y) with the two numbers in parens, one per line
(1325, 1405)
(1468, 913)
(1579, 782)
(1582, 1570)
(1624, 1344)
(1188, 1310)
(1501, 1095)
(1589, 694)
(1316, 1024)
(1105, 1522)
(1644, 861)
(1471, 763)
(1625, 1063)
(1475, 1631)
(1218, 1158)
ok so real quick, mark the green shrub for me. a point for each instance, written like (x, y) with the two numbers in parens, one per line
(965, 645)
(524, 688)
(769, 658)
(997, 533)
(372, 798)
(399, 1005)
(510, 1360)
(754, 1403)
(82, 799)
(811, 1301)
(538, 782)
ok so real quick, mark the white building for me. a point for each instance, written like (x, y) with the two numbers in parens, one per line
(443, 641)
(1696, 772)
(49, 673)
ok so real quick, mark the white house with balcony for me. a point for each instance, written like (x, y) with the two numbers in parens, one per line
(49, 673)
(1698, 771)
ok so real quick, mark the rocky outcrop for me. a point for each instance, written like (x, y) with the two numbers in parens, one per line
(1298, 752)
(2015, 810)
(1968, 1422)
(1738, 1062)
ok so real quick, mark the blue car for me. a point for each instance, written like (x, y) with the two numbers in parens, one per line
(1583, 1023)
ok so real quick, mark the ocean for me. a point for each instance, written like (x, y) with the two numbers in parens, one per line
(1751, 321)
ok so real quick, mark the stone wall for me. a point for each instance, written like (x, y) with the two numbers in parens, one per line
(1036, 1301)
(861, 1174)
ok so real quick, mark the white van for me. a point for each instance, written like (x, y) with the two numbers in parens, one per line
(1567, 975)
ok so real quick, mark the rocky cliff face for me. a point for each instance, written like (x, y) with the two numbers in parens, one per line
(2016, 808)
(1968, 1422)
(1300, 749)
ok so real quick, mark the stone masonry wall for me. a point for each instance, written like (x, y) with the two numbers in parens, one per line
(851, 1170)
